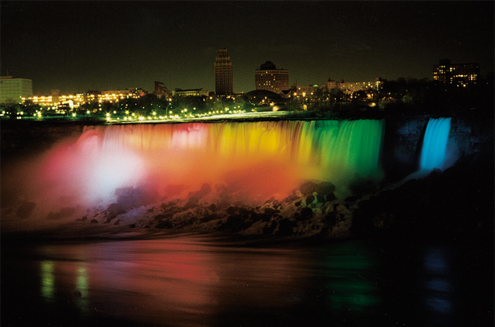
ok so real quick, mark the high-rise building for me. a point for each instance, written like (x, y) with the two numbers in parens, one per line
(269, 78)
(224, 83)
(456, 74)
(12, 90)
(161, 90)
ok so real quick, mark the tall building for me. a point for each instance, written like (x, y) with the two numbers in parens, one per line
(456, 74)
(12, 90)
(269, 78)
(224, 83)
(161, 90)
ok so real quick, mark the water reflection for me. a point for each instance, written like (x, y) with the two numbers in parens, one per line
(81, 291)
(47, 279)
(348, 266)
(194, 281)
(437, 284)
(181, 282)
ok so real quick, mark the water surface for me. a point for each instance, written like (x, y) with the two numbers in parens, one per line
(208, 281)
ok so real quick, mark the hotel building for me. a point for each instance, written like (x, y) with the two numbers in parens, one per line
(12, 90)
(459, 75)
(269, 78)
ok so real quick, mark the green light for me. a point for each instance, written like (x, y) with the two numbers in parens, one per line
(349, 291)
(47, 279)
(82, 287)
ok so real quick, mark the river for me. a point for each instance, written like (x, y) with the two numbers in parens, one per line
(198, 280)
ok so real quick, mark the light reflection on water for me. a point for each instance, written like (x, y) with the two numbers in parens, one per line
(348, 265)
(194, 281)
(438, 284)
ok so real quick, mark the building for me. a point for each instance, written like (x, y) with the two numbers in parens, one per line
(351, 87)
(269, 78)
(12, 90)
(161, 90)
(190, 92)
(460, 75)
(224, 83)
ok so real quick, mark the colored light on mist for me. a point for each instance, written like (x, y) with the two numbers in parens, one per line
(260, 159)
(435, 143)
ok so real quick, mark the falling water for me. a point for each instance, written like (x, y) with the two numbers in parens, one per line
(249, 161)
(435, 144)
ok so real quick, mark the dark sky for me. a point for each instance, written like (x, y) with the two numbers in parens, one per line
(76, 46)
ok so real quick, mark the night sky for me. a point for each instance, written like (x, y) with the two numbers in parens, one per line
(77, 46)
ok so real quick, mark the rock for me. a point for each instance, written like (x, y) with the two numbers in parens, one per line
(84, 218)
(306, 213)
(330, 197)
(25, 210)
(270, 227)
(115, 209)
(331, 218)
(285, 227)
(212, 207)
(352, 198)
(320, 198)
(209, 218)
(94, 221)
(308, 188)
(236, 223)
(164, 224)
(64, 213)
(271, 211)
(129, 197)
(231, 210)
(326, 188)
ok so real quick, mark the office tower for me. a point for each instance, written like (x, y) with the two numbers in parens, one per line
(223, 74)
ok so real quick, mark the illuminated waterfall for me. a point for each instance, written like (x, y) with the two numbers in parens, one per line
(256, 159)
(435, 143)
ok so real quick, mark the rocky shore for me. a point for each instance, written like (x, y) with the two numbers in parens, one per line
(453, 204)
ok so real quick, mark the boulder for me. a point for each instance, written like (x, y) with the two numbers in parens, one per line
(25, 210)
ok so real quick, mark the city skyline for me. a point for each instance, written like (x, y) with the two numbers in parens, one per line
(79, 46)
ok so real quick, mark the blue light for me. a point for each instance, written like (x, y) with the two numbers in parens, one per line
(435, 143)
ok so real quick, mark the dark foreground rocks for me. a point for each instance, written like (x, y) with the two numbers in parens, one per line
(455, 203)
(312, 210)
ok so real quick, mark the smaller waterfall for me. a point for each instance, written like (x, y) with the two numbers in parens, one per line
(434, 147)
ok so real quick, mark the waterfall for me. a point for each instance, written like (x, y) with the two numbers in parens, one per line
(258, 159)
(435, 144)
